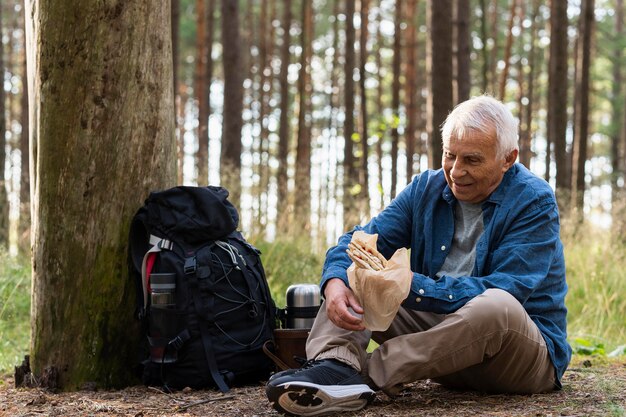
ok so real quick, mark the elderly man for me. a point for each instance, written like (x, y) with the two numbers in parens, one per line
(486, 306)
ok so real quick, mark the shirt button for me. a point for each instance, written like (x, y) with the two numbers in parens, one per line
(450, 297)
(443, 247)
(421, 291)
(418, 299)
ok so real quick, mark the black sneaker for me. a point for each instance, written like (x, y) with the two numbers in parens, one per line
(319, 387)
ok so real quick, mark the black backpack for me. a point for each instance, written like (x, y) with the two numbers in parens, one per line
(202, 294)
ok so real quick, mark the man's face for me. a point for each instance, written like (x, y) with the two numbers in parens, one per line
(471, 166)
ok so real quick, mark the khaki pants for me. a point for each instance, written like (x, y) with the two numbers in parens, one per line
(490, 345)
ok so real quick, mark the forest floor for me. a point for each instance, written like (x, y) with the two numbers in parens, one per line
(591, 387)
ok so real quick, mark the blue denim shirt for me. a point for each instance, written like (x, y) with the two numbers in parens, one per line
(520, 250)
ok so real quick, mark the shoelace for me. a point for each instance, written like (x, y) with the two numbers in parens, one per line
(307, 365)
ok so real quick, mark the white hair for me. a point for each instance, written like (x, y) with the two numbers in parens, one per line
(481, 114)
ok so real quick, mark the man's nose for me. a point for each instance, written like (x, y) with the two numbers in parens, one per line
(458, 168)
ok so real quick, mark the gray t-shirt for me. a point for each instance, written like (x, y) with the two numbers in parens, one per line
(468, 227)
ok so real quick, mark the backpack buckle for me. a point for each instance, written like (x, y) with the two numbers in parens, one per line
(190, 265)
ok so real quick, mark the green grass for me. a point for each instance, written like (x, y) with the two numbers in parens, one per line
(14, 311)
(287, 262)
(596, 274)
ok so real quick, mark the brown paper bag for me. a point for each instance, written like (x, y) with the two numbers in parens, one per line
(381, 292)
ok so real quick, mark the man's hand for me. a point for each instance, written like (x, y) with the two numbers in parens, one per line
(338, 299)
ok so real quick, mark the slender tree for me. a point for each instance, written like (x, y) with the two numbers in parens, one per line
(526, 119)
(463, 52)
(618, 205)
(282, 204)
(4, 198)
(380, 130)
(24, 222)
(484, 52)
(495, 48)
(268, 14)
(581, 133)
(507, 50)
(557, 90)
(102, 137)
(303, 149)
(411, 87)
(395, 96)
(351, 176)
(232, 119)
(325, 210)
(440, 54)
(363, 54)
(202, 89)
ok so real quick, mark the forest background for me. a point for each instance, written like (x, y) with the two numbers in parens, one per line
(314, 114)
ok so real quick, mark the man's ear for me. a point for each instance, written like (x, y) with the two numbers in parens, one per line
(510, 160)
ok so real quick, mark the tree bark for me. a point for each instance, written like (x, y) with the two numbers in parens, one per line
(267, 78)
(232, 119)
(364, 195)
(493, 58)
(618, 130)
(102, 135)
(579, 154)
(463, 62)
(507, 51)
(557, 91)
(23, 239)
(282, 204)
(204, 41)
(351, 178)
(395, 96)
(525, 151)
(483, 50)
(440, 98)
(4, 195)
(411, 88)
(302, 202)
(380, 130)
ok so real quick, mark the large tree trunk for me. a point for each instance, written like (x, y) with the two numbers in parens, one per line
(102, 135)
(4, 198)
(557, 91)
(440, 54)
(579, 154)
(282, 203)
(232, 119)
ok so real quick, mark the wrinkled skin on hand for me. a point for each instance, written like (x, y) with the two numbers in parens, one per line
(339, 299)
